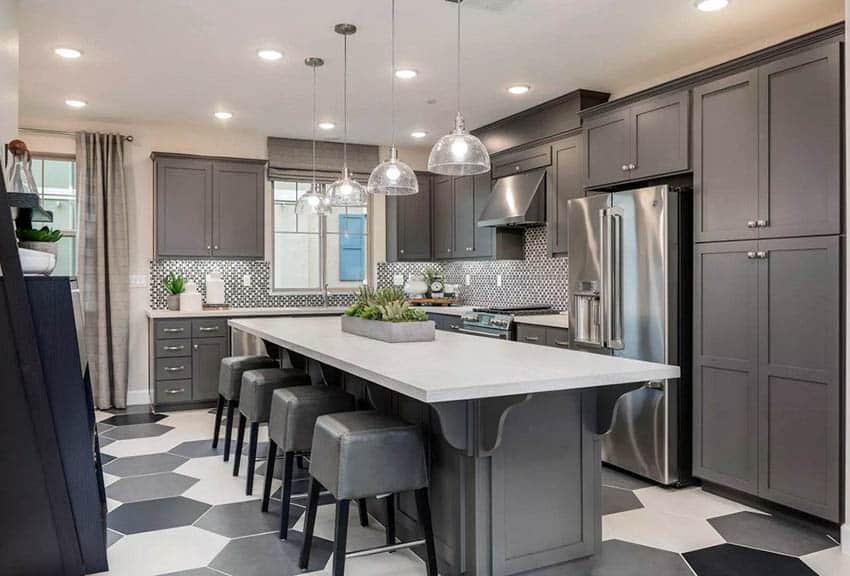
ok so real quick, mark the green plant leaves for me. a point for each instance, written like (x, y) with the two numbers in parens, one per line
(44, 234)
(387, 304)
(174, 283)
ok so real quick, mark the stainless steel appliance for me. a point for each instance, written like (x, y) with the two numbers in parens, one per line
(628, 287)
(497, 321)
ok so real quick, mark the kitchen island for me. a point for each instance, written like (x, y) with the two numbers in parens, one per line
(512, 428)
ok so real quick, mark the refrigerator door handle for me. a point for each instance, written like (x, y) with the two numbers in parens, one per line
(612, 282)
(604, 275)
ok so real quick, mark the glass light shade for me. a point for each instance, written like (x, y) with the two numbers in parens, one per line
(393, 177)
(459, 153)
(312, 202)
(346, 191)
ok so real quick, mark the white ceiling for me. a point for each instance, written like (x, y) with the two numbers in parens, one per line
(178, 61)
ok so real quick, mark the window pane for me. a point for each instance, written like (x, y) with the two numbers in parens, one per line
(284, 191)
(36, 167)
(64, 213)
(284, 217)
(296, 261)
(58, 179)
(66, 257)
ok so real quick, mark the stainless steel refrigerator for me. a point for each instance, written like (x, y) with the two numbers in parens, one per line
(629, 296)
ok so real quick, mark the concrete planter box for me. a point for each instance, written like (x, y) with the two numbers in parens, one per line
(389, 331)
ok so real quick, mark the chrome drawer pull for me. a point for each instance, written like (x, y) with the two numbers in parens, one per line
(173, 348)
(208, 328)
(533, 338)
(173, 330)
(174, 369)
(175, 391)
(561, 343)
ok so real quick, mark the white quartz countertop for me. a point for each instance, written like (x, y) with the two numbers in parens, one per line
(454, 366)
(550, 320)
(246, 312)
(447, 310)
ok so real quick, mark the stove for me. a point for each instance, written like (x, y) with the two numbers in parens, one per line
(498, 321)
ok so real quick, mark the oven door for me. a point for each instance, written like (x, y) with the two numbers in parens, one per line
(475, 330)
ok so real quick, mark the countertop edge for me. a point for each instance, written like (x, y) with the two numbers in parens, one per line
(547, 320)
(243, 313)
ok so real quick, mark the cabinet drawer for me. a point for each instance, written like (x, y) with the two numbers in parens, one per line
(169, 391)
(209, 328)
(166, 329)
(174, 368)
(522, 161)
(557, 337)
(173, 348)
(531, 334)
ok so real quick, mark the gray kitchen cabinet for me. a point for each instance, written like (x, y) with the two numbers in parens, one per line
(409, 224)
(801, 126)
(726, 157)
(566, 183)
(209, 207)
(523, 160)
(557, 337)
(444, 209)
(465, 218)
(607, 147)
(485, 238)
(206, 361)
(531, 334)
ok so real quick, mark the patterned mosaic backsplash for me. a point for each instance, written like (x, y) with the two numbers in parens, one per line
(539, 279)
(238, 296)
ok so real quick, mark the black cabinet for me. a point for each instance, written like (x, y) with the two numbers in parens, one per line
(637, 142)
(465, 216)
(409, 224)
(565, 183)
(767, 389)
(209, 206)
(444, 217)
(485, 238)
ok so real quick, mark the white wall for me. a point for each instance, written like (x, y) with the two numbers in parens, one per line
(8, 70)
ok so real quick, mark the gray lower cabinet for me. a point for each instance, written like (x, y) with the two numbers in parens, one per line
(445, 321)
(766, 370)
(543, 335)
(566, 183)
(206, 361)
(409, 224)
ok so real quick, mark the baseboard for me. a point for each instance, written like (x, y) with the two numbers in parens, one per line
(845, 538)
(136, 397)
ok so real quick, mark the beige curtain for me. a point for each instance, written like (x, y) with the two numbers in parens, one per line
(103, 263)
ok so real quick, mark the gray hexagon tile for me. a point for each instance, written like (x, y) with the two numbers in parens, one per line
(131, 419)
(112, 537)
(266, 554)
(149, 487)
(245, 519)
(195, 572)
(147, 464)
(616, 500)
(771, 533)
(149, 515)
(731, 560)
(136, 431)
(618, 558)
(202, 448)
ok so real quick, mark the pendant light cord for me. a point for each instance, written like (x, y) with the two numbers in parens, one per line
(392, 75)
(314, 129)
(458, 55)
(345, 104)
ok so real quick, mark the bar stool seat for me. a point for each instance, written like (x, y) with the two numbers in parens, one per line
(255, 401)
(229, 386)
(357, 455)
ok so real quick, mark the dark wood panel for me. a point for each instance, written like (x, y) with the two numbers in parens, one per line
(239, 191)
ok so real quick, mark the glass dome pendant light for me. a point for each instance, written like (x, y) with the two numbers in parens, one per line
(313, 201)
(459, 153)
(393, 177)
(346, 191)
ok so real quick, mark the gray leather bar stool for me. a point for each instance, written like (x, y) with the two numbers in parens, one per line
(255, 402)
(358, 455)
(229, 385)
(291, 423)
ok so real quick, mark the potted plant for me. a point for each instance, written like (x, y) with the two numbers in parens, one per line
(174, 284)
(386, 314)
(42, 239)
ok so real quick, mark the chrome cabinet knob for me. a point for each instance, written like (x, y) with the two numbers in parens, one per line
(625, 168)
(209, 247)
(516, 168)
(761, 254)
(632, 166)
(751, 223)
(215, 247)
(195, 346)
(761, 223)
(401, 251)
(751, 255)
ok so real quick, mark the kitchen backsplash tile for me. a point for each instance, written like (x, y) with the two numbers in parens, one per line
(539, 279)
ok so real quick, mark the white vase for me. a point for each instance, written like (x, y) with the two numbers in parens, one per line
(415, 287)
(191, 300)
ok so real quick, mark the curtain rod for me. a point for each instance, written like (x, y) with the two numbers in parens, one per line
(56, 132)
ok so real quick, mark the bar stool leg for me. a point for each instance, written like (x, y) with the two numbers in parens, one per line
(340, 536)
(252, 457)
(390, 519)
(364, 512)
(219, 410)
(309, 523)
(286, 494)
(267, 485)
(240, 438)
(228, 431)
(300, 461)
(423, 510)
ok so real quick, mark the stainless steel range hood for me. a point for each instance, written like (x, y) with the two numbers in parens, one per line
(517, 200)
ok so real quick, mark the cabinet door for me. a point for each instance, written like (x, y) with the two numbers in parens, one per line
(725, 374)
(183, 206)
(659, 135)
(238, 209)
(799, 380)
(394, 227)
(444, 221)
(465, 217)
(206, 361)
(565, 184)
(800, 125)
(484, 237)
(726, 158)
(415, 220)
(531, 334)
(608, 152)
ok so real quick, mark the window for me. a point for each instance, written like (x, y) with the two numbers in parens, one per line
(56, 179)
(312, 252)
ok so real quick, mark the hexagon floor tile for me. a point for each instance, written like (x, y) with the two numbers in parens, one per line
(149, 487)
(136, 431)
(731, 560)
(164, 551)
(618, 558)
(770, 533)
(112, 537)
(616, 500)
(266, 554)
(147, 464)
(150, 515)
(624, 480)
(195, 572)
(659, 530)
(217, 484)
(692, 502)
(829, 562)
(201, 448)
(131, 419)
(245, 519)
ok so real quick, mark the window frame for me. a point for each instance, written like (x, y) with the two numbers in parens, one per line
(65, 233)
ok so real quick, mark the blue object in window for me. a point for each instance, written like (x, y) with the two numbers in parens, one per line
(352, 246)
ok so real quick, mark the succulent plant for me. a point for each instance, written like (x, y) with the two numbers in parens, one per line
(44, 234)
(174, 283)
(387, 304)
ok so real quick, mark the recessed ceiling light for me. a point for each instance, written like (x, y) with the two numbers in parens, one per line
(327, 125)
(270, 55)
(418, 134)
(69, 53)
(406, 73)
(519, 89)
(711, 5)
(76, 103)
(223, 115)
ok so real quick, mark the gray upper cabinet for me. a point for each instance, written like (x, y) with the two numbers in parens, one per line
(444, 209)
(726, 158)
(465, 218)
(485, 238)
(606, 141)
(209, 206)
(566, 183)
(409, 224)
(800, 144)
